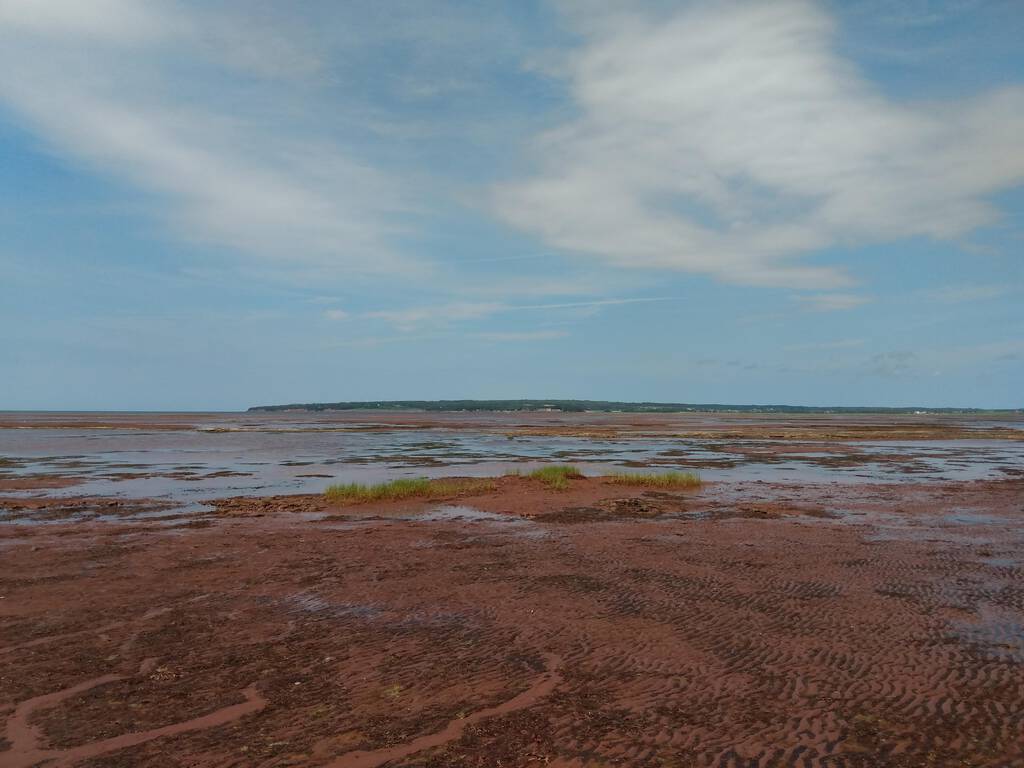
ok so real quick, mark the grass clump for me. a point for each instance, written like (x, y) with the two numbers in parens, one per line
(407, 488)
(557, 476)
(657, 480)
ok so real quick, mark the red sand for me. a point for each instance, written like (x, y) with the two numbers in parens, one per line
(724, 425)
(737, 625)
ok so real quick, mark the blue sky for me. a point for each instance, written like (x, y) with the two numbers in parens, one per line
(221, 204)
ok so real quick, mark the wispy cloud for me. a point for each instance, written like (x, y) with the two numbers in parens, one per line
(826, 346)
(99, 83)
(118, 21)
(369, 342)
(982, 352)
(958, 294)
(521, 335)
(729, 139)
(920, 13)
(498, 337)
(599, 303)
(442, 314)
(408, 319)
(336, 314)
(832, 302)
(893, 363)
(924, 360)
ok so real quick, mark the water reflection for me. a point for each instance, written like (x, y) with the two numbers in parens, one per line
(244, 459)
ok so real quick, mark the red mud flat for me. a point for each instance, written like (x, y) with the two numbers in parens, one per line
(699, 425)
(737, 625)
(37, 482)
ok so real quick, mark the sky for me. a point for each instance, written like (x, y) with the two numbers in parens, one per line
(219, 204)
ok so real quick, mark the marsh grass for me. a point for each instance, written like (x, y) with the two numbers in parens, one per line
(557, 476)
(407, 488)
(657, 480)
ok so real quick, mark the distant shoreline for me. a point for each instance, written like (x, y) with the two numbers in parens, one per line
(607, 406)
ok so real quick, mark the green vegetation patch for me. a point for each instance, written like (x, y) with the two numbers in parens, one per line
(408, 488)
(657, 480)
(557, 476)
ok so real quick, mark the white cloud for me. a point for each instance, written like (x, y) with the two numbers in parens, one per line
(408, 319)
(443, 314)
(728, 139)
(832, 302)
(101, 83)
(336, 314)
(597, 303)
(731, 138)
(120, 21)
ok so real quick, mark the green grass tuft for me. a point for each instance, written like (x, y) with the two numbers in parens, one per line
(407, 488)
(557, 476)
(657, 480)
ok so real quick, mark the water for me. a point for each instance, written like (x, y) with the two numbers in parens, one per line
(196, 458)
(994, 633)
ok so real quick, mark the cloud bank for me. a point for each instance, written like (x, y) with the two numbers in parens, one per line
(731, 139)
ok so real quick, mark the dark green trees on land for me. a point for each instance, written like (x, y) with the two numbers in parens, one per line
(580, 406)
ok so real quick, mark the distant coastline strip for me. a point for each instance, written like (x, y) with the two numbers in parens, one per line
(607, 406)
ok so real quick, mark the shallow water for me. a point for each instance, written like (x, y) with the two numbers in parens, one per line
(245, 454)
(994, 633)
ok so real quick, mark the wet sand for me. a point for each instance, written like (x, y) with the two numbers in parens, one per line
(740, 624)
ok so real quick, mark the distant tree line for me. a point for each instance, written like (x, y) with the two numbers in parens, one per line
(581, 406)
